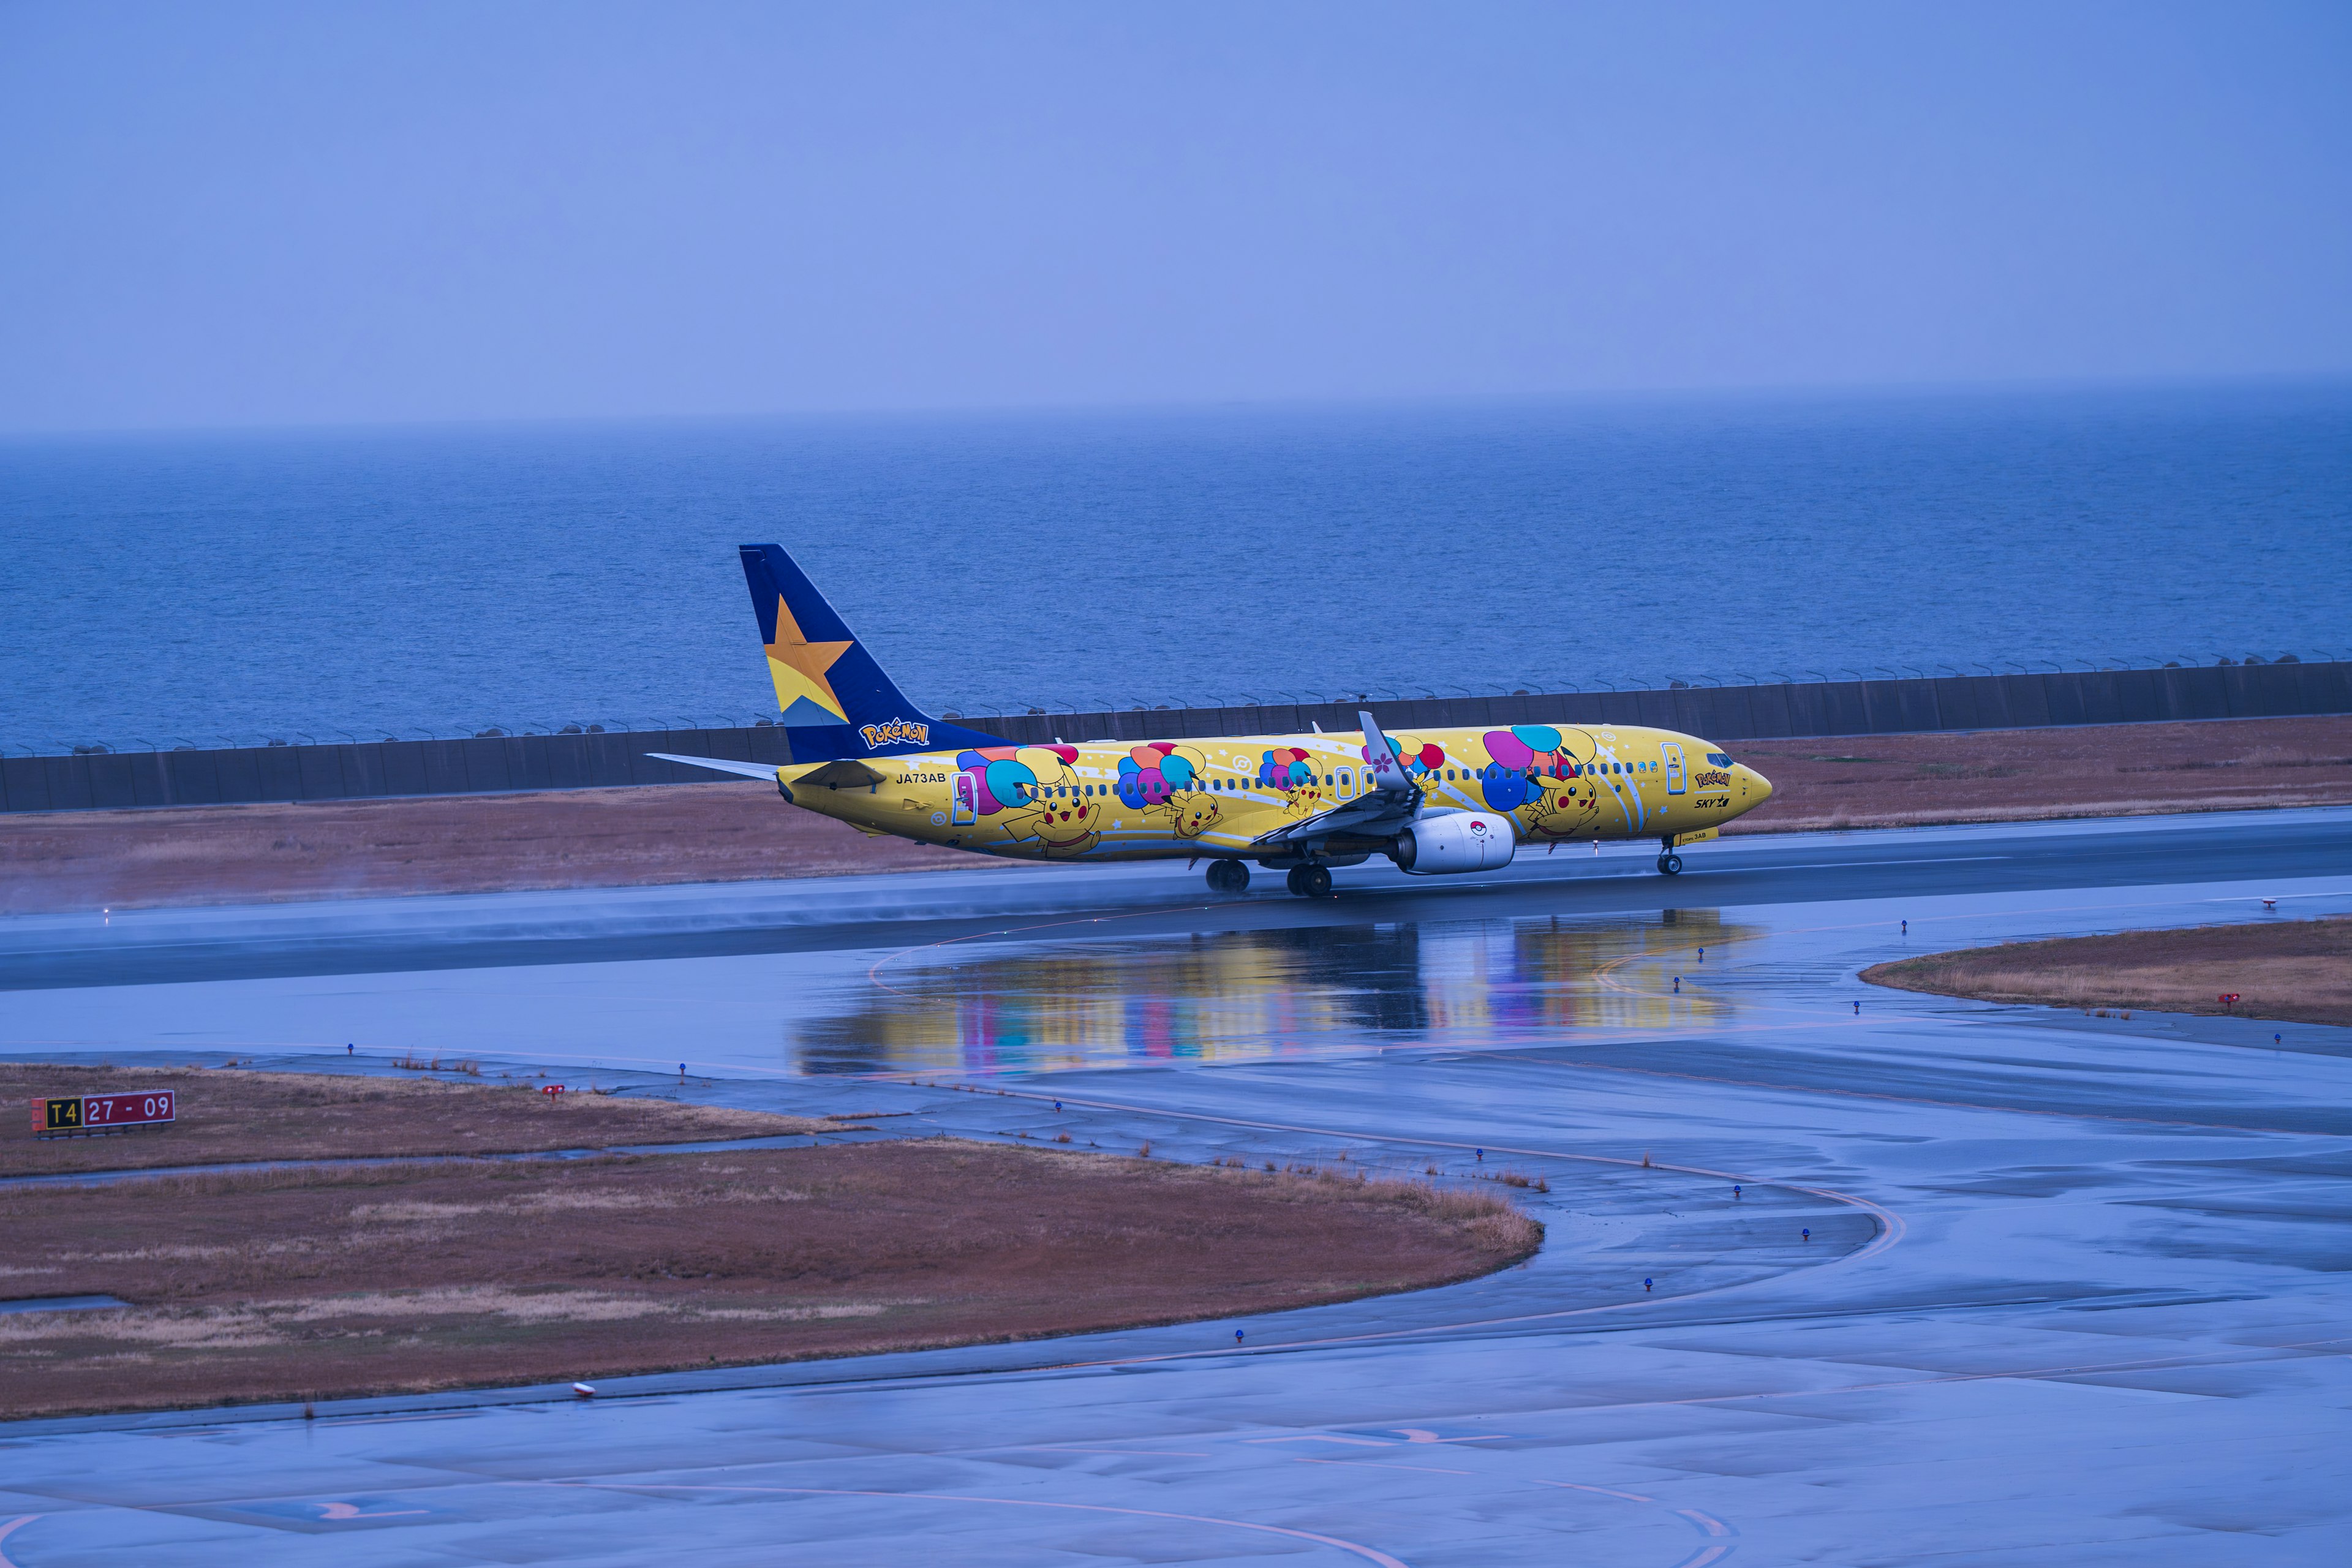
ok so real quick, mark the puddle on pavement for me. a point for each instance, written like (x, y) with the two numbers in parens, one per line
(1254, 994)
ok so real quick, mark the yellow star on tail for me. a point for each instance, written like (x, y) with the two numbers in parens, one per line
(799, 665)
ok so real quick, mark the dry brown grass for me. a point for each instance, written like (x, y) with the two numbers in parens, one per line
(2294, 970)
(291, 1284)
(2008, 775)
(229, 1115)
(434, 844)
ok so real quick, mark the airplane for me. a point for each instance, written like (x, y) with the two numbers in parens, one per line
(1436, 802)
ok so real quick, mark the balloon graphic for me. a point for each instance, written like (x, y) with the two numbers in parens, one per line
(1516, 752)
(1009, 783)
(1285, 768)
(1508, 749)
(999, 780)
(1149, 775)
(1504, 789)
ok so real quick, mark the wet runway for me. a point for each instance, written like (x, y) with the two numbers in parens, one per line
(2074, 1288)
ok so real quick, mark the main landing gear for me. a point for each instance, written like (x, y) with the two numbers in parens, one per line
(1311, 880)
(1227, 877)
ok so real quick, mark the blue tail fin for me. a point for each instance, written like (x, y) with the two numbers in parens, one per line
(836, 699)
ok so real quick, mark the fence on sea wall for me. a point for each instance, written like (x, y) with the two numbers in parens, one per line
(483, 764)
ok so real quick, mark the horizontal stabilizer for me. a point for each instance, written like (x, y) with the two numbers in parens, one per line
(720, 764)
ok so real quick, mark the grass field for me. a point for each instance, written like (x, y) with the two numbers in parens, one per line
(2009, 775)
(338, 1278)
(2294, 970)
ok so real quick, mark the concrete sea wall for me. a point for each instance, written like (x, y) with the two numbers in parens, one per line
(482, 764)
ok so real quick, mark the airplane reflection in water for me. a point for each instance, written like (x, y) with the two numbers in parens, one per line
(1254, 994)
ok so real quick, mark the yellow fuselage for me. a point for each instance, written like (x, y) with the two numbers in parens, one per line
(1110, 800)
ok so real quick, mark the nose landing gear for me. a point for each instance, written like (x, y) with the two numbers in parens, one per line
(1227, 877)
(1669, 863)
(1311, 881)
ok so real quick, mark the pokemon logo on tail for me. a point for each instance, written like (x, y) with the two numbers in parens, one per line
(896, 732)
(1443, 801)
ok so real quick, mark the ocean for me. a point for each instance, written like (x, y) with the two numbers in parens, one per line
(240, 587)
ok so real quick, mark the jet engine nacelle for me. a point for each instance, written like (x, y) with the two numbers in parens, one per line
(1458, 841)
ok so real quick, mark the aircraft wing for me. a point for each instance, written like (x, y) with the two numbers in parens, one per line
(1383, 811)
(719, 765)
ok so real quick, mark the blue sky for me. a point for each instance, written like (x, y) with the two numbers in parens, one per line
(264, 215)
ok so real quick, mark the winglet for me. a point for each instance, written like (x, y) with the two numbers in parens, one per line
(1388, 776)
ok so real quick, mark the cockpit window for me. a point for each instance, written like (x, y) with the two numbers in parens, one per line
(1718, 759)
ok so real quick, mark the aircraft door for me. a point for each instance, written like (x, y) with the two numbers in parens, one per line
(967, 801)
(1674, 755)
(1347, 784)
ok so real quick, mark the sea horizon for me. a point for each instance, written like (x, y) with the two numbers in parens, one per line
(216, 584)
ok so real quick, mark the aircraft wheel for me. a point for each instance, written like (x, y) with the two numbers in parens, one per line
(1297, 880)
(1314, 881)
(1670, 865)
(1227, 877)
